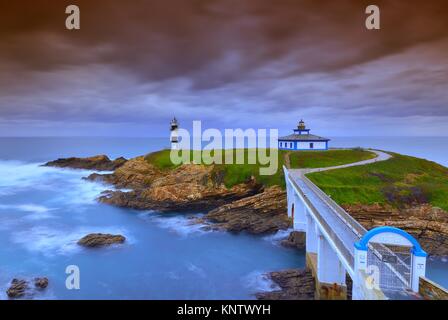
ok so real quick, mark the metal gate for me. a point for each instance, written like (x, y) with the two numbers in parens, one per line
(392, 265)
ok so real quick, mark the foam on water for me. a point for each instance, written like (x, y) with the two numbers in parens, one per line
(277, 237)
(182, 225)
(196, 270)
(52, 241)
(37, 212)
(259, 281)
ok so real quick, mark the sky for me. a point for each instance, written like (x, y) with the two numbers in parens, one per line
(135, 64)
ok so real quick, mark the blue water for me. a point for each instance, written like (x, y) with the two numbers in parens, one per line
(44, 211)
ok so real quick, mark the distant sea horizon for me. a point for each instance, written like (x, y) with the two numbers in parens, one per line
(45, 148)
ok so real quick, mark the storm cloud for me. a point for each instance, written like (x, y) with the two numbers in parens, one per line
(255, 63)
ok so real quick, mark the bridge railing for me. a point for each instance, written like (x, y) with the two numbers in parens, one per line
(348, 254)
(347, 219)
(355, 227)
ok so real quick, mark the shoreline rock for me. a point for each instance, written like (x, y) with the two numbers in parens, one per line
(428, 224)
(295, 284)
(262, 213)
(99, 163)
(94, 240)
(248, 206)
(296, 239)
(186, 188)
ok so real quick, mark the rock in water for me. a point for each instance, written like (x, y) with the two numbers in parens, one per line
(41, 283)
(17, 289)
(100, 163)
(295, 284)
(296, 239)
(100, 239)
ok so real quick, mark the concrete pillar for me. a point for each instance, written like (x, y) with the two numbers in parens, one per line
(311, 236)
(299, 214)
(418, 270)
(289, 197)
(331, 273)
(330, 269)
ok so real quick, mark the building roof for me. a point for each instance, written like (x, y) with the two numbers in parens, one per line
(302, 137)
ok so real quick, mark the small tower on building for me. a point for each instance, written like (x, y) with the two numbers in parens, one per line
(301, 139)
(174, 137)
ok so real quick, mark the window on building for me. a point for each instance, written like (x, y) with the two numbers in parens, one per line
(311, 145)
(280, 144)
(290, 145)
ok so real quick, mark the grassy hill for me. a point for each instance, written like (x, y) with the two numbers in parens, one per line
(398, 181)
(237, 173)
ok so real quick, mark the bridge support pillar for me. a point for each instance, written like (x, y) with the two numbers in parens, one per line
(290, 198)
(299, 214)
(331, 274)
(311, 235)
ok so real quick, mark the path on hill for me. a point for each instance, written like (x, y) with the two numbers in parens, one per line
(380, 156)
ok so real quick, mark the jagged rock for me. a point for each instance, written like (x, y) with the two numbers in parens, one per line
(41, 283)
(17, 289)
(295, 284)
(261, 213)
(100, 239)
(100, 163)
(296, 239)
(188, 187)
(428, 224)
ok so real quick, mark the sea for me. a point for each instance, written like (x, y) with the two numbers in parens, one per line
(44, 211)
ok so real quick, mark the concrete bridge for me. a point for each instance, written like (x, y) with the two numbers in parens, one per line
(383, 263)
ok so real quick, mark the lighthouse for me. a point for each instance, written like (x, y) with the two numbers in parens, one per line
(174, 137)
(301, 139)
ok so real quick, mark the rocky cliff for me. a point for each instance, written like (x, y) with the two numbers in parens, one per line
(428, 224)
(247, 206)
(259, 214)
(188, 187)
(100, 163)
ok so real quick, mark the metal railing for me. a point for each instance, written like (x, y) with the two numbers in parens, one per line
(347, 219)
(346, 253)
(353, 225)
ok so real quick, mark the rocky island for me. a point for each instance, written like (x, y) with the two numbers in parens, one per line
(235, 198)
(95, 240)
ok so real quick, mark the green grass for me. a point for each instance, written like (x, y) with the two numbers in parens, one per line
(233, 174)
(313, 159)
(398, 181)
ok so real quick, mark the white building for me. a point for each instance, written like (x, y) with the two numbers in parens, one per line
(301, 139)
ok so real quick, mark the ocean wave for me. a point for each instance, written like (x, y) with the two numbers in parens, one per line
(259, 281)
(37, 212)
(277, 237)
(52, 241)
(195, 269)
(76, 191)
(183, 225)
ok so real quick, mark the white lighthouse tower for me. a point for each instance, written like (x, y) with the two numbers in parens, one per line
(174, 137)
